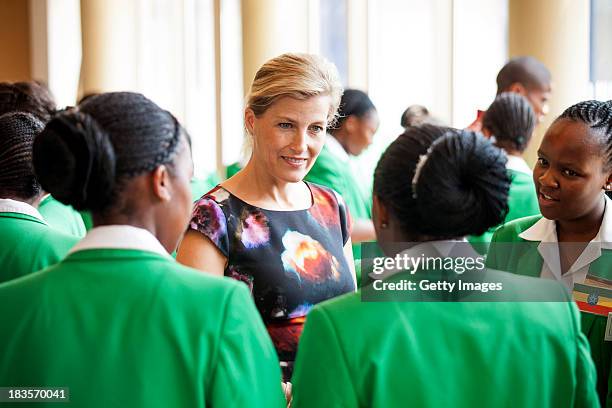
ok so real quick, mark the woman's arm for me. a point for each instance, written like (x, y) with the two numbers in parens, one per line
(198, 251)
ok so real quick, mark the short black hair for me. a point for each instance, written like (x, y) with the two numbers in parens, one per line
(17, 133)
(32, 97)
(84, 156)
(353, 103)
(511, 119)
(528, 71)
(461, 188)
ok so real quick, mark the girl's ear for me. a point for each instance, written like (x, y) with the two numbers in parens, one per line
(380, 214)
(161, 180)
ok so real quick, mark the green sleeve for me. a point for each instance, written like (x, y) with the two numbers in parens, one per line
(325, 174)
(586, 377)
(246, 368)
(321, 377)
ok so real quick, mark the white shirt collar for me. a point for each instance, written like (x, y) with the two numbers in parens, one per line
(14, 206)
(120, 237)
(336, 148)
(545, 231)
(517, 163)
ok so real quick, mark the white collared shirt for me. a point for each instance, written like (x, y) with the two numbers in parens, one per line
(14, 206)
(517, 163)
(545, 231)
(120, 237)
(336, 148)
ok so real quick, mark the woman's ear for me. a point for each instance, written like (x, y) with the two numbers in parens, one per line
(161, 183)
(350, 123)
(249, 120)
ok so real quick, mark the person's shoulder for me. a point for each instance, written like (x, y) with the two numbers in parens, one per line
(324, 193)
(509, 232)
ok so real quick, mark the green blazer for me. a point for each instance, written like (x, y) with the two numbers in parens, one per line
(522, 202)
(62, 217)
(131, 328)
(523, 258)
(29, 245)
(444, 354)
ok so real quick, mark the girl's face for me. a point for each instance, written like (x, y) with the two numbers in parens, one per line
(361, 131)
(571, 172)
(289, 135)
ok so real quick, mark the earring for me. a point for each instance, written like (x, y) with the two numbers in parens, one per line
(608, 187)
(383, 225)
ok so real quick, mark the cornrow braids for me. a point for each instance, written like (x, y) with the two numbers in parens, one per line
(511, 119)
(85, 157)
(17, 133)
(598, 116)
(31, 97)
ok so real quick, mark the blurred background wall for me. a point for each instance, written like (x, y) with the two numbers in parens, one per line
(197, 58)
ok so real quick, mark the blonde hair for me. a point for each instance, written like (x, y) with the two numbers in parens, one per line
(299, 76)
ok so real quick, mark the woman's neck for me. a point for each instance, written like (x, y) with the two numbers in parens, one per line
(256, 186)
(583, 229)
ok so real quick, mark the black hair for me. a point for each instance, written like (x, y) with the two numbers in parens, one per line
(353, 103)
(84, 156)
(528, 71)
(597, 115)
(31, 97)
(414, 115)
(461, 187)
(17, 133)
(511, 119)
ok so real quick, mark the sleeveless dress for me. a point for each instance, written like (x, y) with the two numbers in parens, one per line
(290, 260)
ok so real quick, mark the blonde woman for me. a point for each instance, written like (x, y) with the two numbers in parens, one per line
(287, 239)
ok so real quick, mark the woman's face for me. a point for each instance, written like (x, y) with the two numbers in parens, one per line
(289, 135)
(570, 173)
(360, 131)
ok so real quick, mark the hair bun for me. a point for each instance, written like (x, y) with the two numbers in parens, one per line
(463, 186)
(74, 160)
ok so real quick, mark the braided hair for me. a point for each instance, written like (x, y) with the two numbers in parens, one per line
(511, 119)
(84, 157)
(17, 133)
(461, 187)
(30, 97)
(597, 115)
(353, 103)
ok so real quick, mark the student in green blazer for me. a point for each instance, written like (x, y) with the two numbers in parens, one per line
(28, 243)
(119, 322)
(509, 122)
(438, 354)
(62, 217)
(353, 133)
(573, 171)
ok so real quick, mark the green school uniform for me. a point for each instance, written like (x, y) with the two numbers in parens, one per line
(199, 186)
(524, 258)
(232, 169)
(444, 354)
(62, 217)
(133, 328)
(522, 202)
(29, 244)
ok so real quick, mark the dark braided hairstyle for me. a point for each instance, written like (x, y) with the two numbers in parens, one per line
(353, 102)
(30, 97)
(511, 119)
(17, 133)
(597, 115)
(83, 157)
(461, 188)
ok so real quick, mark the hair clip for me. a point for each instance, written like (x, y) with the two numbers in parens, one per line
(417, 172)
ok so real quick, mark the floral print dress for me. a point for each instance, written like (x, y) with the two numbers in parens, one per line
(290, 260)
